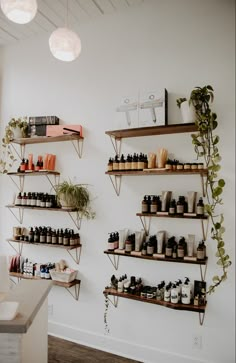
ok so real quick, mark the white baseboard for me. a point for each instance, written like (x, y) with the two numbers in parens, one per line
(120, 347)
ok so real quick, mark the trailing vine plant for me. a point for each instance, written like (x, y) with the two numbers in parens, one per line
(107, 330)
(206, 145)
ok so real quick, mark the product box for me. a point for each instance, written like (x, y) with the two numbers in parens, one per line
(127, 113)
(37, 124)
(153, 108)
(43, 120)
(59, 130)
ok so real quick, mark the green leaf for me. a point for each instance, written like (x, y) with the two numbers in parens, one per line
(221, 183)
(216, 140)
(219, 262)
(220, 244)
(217, 191)
(216, 278)
(217, 225)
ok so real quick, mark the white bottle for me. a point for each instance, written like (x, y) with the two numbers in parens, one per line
(167, 293)
(174, 295)
(186, 292)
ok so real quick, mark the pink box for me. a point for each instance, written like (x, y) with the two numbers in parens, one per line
(58, 130)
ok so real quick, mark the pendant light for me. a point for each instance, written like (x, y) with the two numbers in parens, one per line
(19, 11)
(65, 44)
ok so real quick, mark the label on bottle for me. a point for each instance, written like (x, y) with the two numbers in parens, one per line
(140, 165)
(111, 246)
(180, 209)
(174, 296)
(60, 240)
(127, 165)
(144, 207)
(167, 295)
(150, 250)
(115, 166)
(109, 167)
(168, 251)
(200, 254)
(128, 247)
(121, 166)
(153, 208)
(180, 252)
(200, 210)
(171, 210)
(134, 165)
(54, 239)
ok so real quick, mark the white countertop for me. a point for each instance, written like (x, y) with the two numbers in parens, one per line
(30, 294)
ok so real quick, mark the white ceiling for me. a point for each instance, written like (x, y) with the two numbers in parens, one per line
(51, 14)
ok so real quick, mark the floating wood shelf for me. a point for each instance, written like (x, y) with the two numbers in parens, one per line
(44, 139)
(202, 172)
(154, 258)
(66, 285)
(179, 306)
(75, 256)
(169, 216)
(153, 130)
(76, 140)
(34, 173)
(40, 208)
(76, 220)
(44, 244)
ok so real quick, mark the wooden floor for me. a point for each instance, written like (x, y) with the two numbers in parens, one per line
(63, 351)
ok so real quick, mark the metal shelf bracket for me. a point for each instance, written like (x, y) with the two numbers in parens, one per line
(205, 230)
(116, 143)
(77, 220)
(114, 302)
(114, 260)
(56, 180)
(203, 270)
(78, 146)
(75, 295)
(146, 225)
(203, 183)
(201, 317)
(116, 182)
(20, 247)
(19, 218)
(76, 255)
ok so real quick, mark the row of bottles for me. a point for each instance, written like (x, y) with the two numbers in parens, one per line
(157, 245)
(130, 162)
(66, 237)
(43, 163)
(173, 292)
(33, 199)
(164, 204)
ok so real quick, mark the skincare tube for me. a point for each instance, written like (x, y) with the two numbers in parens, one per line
(121, 239)
(191, 201)
(138, 241)
(165, 201)
(190, 244)
(160, 241)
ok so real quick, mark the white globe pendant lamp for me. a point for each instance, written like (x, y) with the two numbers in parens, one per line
(19, 11)
(65, 44)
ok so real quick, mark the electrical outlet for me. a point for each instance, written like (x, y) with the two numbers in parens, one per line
(197, 341)
(50, 310)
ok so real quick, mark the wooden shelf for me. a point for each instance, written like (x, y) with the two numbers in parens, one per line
(153, 130)
(58, 283)
(154, 258)
(202, 172)
(169, 216)
(34, 173)
(179, 306)
(44, 139)
(40, 208)
(44, 244)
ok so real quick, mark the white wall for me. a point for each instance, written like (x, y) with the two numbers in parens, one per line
(173, 44)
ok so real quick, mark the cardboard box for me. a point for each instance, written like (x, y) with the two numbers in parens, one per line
(153, 108)
(58, 130)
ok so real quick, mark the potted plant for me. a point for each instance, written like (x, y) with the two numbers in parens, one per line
(187, 110)
(16, 128)
(74, 196)
(206, 145)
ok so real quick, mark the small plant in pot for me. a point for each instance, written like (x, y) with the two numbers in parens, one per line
(187, 110)
(74, 196)
(16, 128)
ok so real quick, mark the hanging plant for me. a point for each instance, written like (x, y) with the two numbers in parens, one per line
(15, 126)
(206, 146)
(107, 330)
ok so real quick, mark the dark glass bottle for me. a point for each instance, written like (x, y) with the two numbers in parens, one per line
(122, 163)
(172, 209)
(200, 207)
(19, 199)
(31, 235)
(180, 206)
(144, 205)
(153, 205)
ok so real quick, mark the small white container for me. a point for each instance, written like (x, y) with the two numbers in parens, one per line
(63, 276)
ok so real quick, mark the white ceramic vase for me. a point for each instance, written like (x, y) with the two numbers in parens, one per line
(187, 112)
(16, 132)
